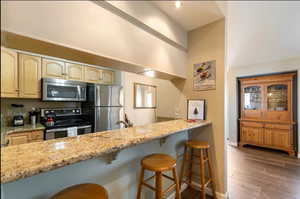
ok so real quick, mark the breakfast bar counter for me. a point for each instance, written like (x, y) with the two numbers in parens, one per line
(26, 160)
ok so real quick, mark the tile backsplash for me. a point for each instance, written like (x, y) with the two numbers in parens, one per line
(7, 111)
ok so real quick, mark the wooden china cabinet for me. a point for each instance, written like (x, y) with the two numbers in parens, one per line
(267, 112)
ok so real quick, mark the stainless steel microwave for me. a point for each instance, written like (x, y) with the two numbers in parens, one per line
(63, 90)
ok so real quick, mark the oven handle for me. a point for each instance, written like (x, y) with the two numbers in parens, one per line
(65, 129)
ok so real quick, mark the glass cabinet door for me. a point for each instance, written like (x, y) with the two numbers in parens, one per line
(277, 97)
(252, 98)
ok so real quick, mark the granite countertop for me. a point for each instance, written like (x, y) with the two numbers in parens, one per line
(27, 127)
(25, 160)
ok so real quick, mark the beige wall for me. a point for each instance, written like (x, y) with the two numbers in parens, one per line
(205, 44)
(86, 26)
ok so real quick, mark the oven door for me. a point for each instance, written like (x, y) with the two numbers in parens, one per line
(63, 132)
(63, 90)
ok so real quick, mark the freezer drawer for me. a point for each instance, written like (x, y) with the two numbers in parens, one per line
(106, 118)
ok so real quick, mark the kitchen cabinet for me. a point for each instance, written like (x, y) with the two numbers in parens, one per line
(29, 76)
(53, 69)
(92, 75)
(267, 113)
(74, 72)
(9, 73)
(25, 137)
(107, 77)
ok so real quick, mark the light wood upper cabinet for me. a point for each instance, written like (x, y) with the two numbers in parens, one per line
(92, 75)
(29, 76)
(9, 73)
(53, 69)
(107, 77)
(75, 72)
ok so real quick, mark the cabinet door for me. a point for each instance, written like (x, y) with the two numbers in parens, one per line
(75, 72)
(53, 69)
(279, 136)
(92, 75)
(19, 138)
(37, 136)
(107, 77)
(252, 135)
(252, 101)
(278, 101)
(9, 73)
(30, 76)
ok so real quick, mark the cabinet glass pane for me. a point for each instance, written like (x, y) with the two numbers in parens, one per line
(277, 98)
(252, 98)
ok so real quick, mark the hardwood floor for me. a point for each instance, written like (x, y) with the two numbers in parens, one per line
(193, 194)
(256, 173)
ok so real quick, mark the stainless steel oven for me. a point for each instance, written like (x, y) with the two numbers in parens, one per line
(63, 90)
(63, 132)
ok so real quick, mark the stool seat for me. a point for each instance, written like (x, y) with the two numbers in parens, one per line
(82, 191)
(197, 144)
(158, 162)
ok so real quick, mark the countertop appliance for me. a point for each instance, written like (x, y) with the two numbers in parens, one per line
(18, 118)
(63, 90)
(104, 106)
(64, 122)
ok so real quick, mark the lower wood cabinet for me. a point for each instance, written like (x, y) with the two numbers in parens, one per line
(25, 137)
(271, 135)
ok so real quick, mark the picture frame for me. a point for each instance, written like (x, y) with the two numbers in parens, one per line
(204, 76)
(196, 109)
(145, 96)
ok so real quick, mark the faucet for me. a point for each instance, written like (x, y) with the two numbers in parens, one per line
(127, 123)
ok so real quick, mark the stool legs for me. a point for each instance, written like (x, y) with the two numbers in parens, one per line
(213, 186)
(202, 174)
(177, 185)
(139, 193)
(204, 158)
(159, 193)
(158, 185)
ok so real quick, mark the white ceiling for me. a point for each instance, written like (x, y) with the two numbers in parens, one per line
(191, 14)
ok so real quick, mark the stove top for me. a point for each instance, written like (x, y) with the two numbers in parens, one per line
(64, 118)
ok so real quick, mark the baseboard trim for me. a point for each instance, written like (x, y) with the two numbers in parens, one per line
(208, 192)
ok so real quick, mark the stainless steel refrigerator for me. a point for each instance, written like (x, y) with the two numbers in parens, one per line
(104, 106)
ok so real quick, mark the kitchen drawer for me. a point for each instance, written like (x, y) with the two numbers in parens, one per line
(37, 135)
(279, 126)
(252, 124)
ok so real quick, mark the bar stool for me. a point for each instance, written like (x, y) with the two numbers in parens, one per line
(82, 191)
(159, 163)
(203, 148)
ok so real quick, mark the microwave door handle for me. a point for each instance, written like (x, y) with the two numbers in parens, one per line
(79, 92)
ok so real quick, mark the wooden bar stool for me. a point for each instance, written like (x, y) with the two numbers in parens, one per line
(159, 163)
(203, 148)
(82, 191)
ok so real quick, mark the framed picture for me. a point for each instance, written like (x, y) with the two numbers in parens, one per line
(204, 76)
(144, 96)
(196, 109)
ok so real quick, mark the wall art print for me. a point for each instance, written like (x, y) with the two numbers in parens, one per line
(204, 76)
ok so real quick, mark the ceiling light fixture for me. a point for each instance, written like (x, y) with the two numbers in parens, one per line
(178, 4)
